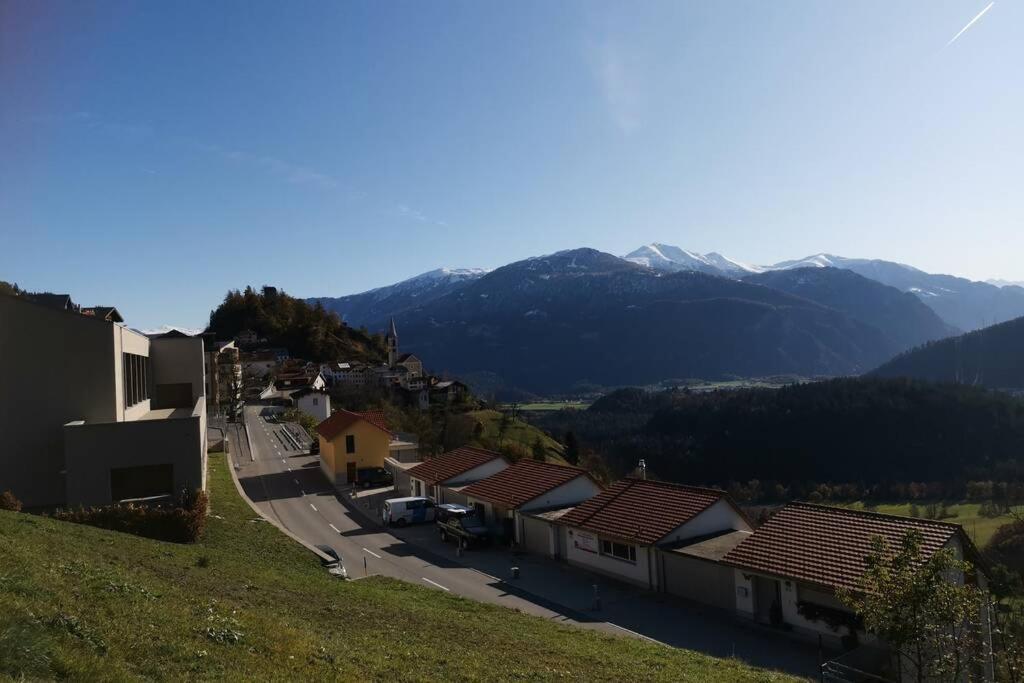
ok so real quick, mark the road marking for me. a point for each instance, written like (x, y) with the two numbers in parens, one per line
(289, 469)
(435, 583)
(336, 529)
(284, 461)
(379, 557)
(314, 507)
(302, 492)
(296, 482)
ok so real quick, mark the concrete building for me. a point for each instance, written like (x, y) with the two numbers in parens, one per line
(94, 412)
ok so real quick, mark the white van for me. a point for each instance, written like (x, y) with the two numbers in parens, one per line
(402, 511)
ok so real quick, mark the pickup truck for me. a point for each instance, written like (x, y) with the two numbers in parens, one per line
(464, 525)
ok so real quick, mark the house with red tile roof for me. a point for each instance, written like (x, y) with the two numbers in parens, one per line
(444, 477)
(788, 570)
(350, 442)
(622, 532)
(527, 486)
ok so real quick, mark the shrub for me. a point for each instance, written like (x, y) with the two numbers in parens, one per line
(181, 521)
(8, 501)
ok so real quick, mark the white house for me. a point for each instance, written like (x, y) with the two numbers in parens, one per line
(503, 499)
(788, 570)
(313, 402)
(444, 477)
(622, 531)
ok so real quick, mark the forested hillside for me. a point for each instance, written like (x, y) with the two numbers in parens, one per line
(866, 431)
(992, 357)
(307, 331)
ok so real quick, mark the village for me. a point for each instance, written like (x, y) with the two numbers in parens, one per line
(689, 546)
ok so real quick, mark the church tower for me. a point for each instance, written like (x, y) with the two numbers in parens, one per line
(391, 342)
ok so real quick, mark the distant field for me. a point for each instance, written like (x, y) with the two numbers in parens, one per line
(552, 405)
(980, 529)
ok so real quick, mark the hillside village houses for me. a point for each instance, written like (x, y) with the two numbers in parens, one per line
(690, 542)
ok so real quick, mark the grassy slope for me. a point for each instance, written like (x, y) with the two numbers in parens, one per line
(980, 529)
(88, 604)
(519, 431)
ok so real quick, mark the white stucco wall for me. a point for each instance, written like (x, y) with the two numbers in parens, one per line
(317, 406)
(639, 573)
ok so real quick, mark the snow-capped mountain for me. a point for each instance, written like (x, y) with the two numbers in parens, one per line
(670, 258)
(163, 329)
(961, 303)
(370, 306)
(1006, 283)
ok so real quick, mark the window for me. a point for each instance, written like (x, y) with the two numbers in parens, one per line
(350, 443)
(316, 401)
(621, 551)
(136, 378)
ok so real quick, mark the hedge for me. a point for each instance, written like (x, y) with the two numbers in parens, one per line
(181, 521)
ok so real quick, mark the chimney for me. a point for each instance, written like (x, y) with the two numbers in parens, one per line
(641, 468)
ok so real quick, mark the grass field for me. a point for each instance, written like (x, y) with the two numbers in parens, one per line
(980, 529)
(519, 431)
(246, 603)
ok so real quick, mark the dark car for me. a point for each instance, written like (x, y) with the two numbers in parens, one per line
(464, 525)
(369, 477)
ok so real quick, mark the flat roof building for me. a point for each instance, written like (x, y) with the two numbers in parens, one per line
(93, 412)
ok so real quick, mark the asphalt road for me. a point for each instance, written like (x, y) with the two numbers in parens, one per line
(286, 484)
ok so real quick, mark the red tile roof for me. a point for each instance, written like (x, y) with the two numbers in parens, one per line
(451, 464)
(522, 482)
(642, 511)
(342, 419)
(827, 545)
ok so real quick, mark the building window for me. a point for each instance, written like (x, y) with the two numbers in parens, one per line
(350, 443)
(136, 378)
(621, 551)
(316, 401)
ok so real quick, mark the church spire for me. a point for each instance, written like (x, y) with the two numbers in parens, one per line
(391, 342)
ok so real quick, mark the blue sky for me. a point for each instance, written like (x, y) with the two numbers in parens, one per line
(153, 155)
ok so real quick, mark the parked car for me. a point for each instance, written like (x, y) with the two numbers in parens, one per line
(368, 477)
(409, 510)
(463, 524)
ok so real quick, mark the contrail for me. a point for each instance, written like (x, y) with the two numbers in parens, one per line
(971, 22)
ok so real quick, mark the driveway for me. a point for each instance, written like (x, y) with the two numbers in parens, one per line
(286, 484)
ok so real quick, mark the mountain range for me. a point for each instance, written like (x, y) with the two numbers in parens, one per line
(549, 324)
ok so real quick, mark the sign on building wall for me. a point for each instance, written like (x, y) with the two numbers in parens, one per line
(585, 542)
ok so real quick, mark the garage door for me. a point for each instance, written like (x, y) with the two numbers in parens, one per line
(702, 581)
(536, 536)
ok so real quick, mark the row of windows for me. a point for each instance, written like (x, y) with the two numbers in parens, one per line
(136, 378)
(621, 551)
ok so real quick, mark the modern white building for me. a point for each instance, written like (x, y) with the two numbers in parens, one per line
(313, 402)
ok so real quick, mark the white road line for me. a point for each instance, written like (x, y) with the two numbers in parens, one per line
(289, 469)
(435, 583)
(336, 529)
(302, 492)
(284, 461)
(313, 506)
(296, 482)
(379, 557)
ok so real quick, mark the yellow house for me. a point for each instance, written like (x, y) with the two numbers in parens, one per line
(351, 441)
